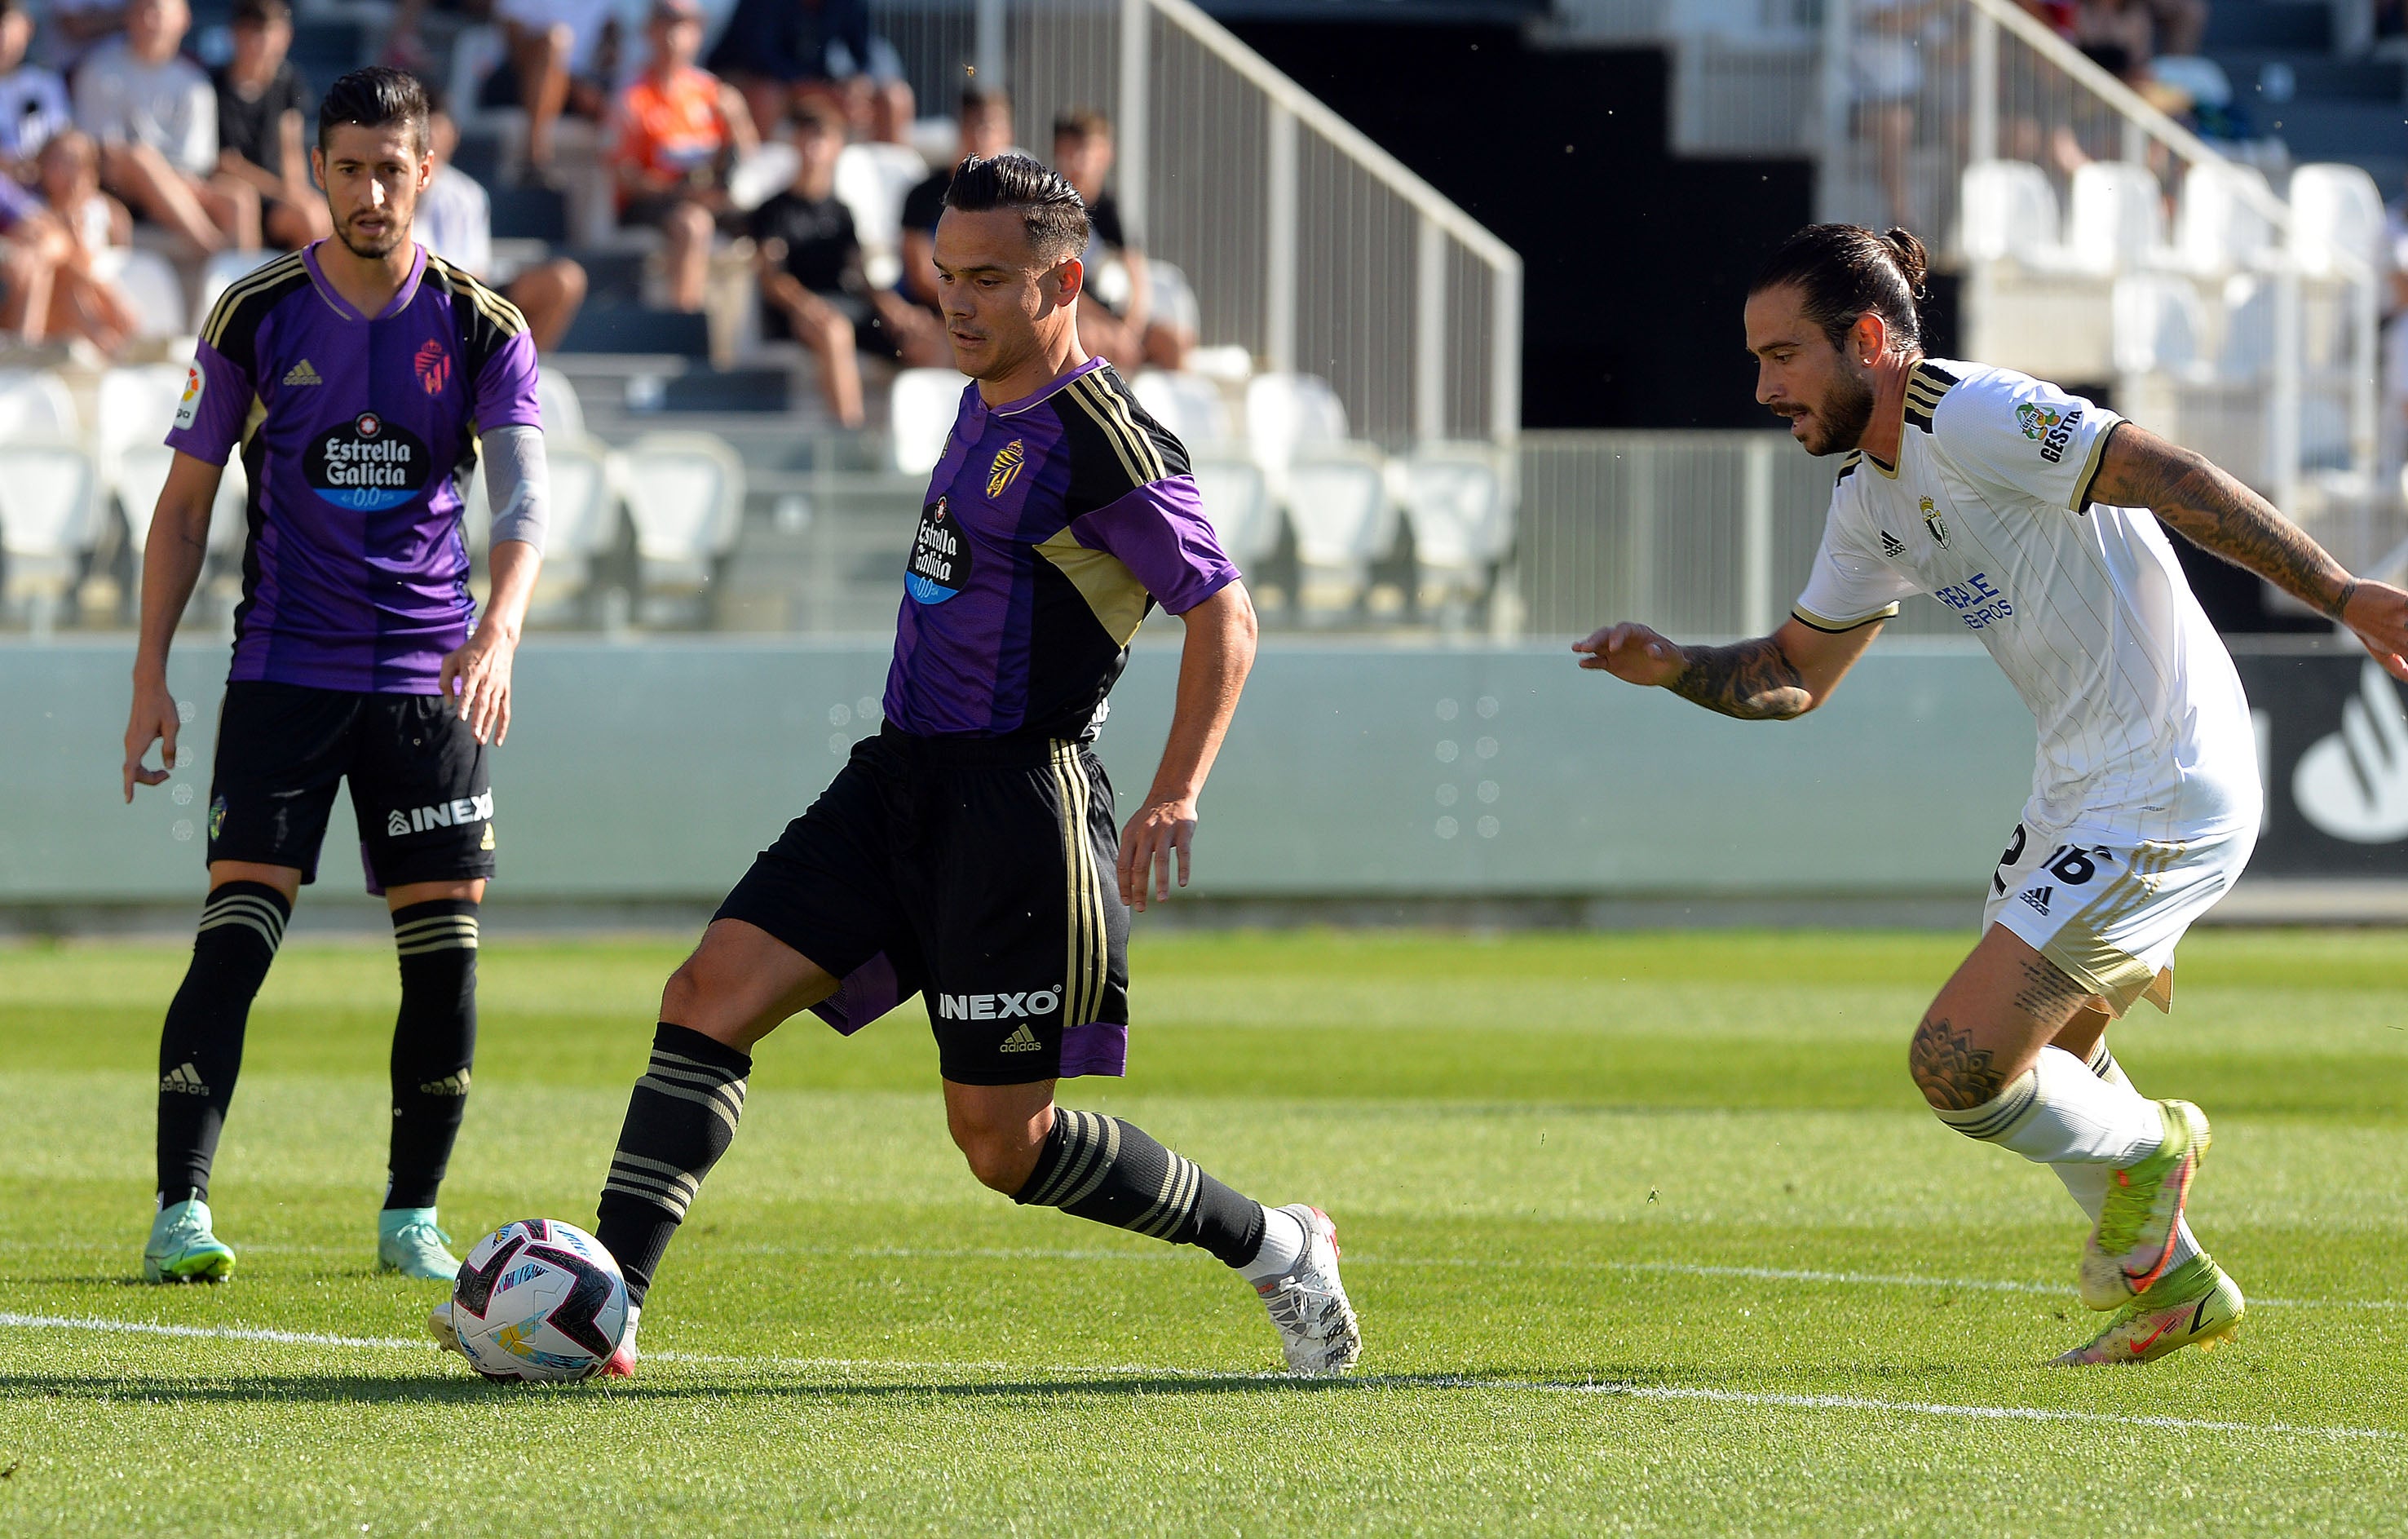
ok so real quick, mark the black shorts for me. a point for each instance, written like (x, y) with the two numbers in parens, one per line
(418, 785)
(980, 874)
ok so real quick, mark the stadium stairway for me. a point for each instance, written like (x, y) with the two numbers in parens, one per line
(2283, 60)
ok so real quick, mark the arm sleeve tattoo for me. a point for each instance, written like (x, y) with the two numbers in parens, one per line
(2215, 511)
(1754, 680)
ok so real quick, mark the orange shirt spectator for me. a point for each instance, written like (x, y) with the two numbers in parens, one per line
(671, 132)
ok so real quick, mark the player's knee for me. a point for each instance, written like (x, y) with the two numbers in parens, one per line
(693, 997)
(1952, 1074)
(999, 1154)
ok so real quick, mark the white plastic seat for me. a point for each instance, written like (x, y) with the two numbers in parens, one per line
(1189, 404)
(1238, 503)
(564, 414)
(2159, 328)
(2247, 350)
(758, 177)
(1173, 297)
(2335, 211)
(872, 181)
(1338, 504)
(583, 517)
(222, 270)
(151, 287)
(2218, 229)
(1285, 412)
(35, 407)
(685, 496)
(2117, 219)
(46, 517)
(2010, 215)
(920, 416)
(1454, 497)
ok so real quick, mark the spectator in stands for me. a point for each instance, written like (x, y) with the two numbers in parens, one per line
(1885, 76)
(264, 112)
(2181, 26)
(563, 54)
(76, 27)
(156, 118)
(985, 127)
(810, 262)
(2118, 35)
(779, 52)
(48, 256)
(1114, 310)
(455, 222)
(33, 100)
(69, 172)
(675, 133)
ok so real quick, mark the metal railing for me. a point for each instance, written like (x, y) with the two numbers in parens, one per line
(1304, 244)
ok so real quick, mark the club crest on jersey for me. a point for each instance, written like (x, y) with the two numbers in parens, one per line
(190, 407)
(1006, 469)
(940, 556)
(367, 464)
(1931, 522)
(434, 367)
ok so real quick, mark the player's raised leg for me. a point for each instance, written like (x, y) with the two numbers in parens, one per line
(1111, 1172)
(200, 1055)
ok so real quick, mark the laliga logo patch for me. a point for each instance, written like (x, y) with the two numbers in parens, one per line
(940, 557)
(367, 464)
(2035, 420)
(1005, 470)
(434, 367)
(188, 407)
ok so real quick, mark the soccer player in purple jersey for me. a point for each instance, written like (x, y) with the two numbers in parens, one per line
(358, 376)
(962, 851)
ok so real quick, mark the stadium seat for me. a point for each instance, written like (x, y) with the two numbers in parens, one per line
(1174, 296)
(46, 523)
(1338, 504)
(150, 284)
(920, 416)
(872, 181)
(2010, 215)
(36, 407)
(1237, 504)
(219, 272)
(585, 520)
(758, 177)
(637, 328)
(564, 414)
(2217, 229)
(136, 404)
(1455, 500)
(2335, 210)
(685, 496)
(1285, 412)
(2158, 325)
(2118, 222)
(1189, 404)
(2247, 350)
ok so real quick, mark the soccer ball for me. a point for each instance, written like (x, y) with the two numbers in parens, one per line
(539, 1299)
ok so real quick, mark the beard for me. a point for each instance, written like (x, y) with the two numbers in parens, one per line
(372, 250)
(1844, 414)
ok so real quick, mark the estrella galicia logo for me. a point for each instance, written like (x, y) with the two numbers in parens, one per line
(940, 556)
(367, 464)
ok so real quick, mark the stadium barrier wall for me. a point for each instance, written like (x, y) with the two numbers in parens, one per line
(651, 772)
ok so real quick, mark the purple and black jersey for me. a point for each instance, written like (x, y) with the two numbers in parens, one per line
(1054, 525)
(358, 434)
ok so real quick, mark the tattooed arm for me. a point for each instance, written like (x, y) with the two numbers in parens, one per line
(2215, 511)
(1770, 679)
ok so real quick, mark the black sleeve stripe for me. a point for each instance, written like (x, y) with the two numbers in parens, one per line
(1125, 446)
(261, 283)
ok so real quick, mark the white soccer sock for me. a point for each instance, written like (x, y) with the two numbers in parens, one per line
(1283, 1240)
(2086, 1183)
(2058, 1110)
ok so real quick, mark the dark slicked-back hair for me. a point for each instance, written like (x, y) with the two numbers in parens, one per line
(1049, 208)
(374, 97)
(1845, 272)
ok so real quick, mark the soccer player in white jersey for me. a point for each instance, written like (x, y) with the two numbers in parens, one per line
(2034, 516)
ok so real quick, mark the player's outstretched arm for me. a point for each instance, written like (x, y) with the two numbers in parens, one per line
(1770, 679)
(1213, 668)
(172, 556)
(2211, 510)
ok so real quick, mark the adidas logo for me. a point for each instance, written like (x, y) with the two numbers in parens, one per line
(1892, 546)
(1020, 1040)
(449, 1085)
(302, 374)
(183, 1080)
(2038, 898)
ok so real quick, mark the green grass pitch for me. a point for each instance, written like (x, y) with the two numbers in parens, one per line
(1647, 1234)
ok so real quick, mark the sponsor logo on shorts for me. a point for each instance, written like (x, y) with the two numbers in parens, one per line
(1006, 469)
(456, 813)
(434, 367)
(302, 374)
(2039, 897)
(1033, 1005)
(1020, 1040)
(367, 464)
(188, 407)
(940, 556)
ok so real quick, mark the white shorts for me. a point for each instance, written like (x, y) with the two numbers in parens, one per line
(2109, 909)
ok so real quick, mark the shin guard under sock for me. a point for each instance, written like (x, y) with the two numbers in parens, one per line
(1106, 1169)
(200, 1048)
(679, 1121)
(434, 1043)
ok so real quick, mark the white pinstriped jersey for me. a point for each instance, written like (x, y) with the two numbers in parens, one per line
(2084, 606)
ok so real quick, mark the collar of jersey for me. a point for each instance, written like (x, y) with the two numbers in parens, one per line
(407, 292)
(1012, 408)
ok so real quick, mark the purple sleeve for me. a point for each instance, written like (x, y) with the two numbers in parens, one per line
(216, 404)
(1160, 533)
(506, 390)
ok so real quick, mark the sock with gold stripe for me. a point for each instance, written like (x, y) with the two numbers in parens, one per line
(433, 1042)
(681, 1119)
(200, 1048)
(1109, 1170)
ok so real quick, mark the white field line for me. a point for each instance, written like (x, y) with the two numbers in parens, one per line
(1399, 1381)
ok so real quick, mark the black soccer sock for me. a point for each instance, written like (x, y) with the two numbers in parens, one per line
(433, 1042)
(1101, 1168)
(679, 1121)
(200, 1049)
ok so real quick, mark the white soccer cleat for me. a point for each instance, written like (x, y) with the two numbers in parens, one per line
(622, 1361)
(438, 1325)
(1307, 1303)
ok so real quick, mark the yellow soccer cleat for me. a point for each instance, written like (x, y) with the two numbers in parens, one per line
(2129, 1248)
(2195, 1304)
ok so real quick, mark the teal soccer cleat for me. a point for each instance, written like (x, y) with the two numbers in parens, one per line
(407, 1242)
(182, 1249)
